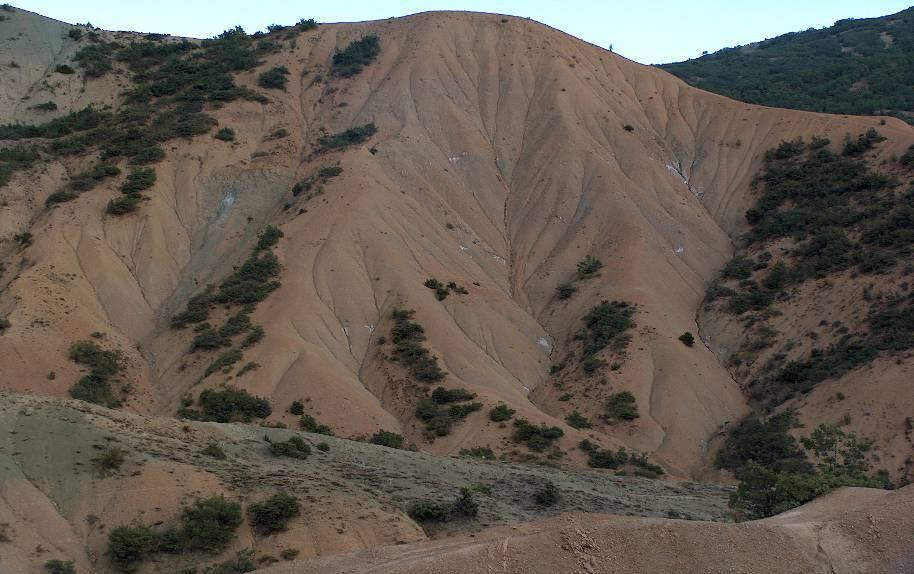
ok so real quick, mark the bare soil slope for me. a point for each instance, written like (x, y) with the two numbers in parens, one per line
(851, 530)
(506, 153)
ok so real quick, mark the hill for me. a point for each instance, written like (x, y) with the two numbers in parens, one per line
(856, 66)
(464, 234)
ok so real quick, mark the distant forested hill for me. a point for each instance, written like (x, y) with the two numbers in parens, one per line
(854, 67)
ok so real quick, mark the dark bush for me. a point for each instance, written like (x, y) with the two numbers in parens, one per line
(268, 238)
(548, 495)
(64, 69)
(578, 421)
(621, 406)
(61, 196)
(123, 205)
(209, 524)
(225, 134)
(688, 339)
(501, 413)
(128, 545)
(138, 180)
(274, 78)
(566, 291)
(297, 408)
(607, 324)
(589, 266)
(537, 438)
(352, 136)
(465, 506)
(387, 438)
(60, 567)
(309, 423)
(273, 514)
(358, 54)
(231, 404)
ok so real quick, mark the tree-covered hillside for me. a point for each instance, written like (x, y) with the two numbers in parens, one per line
(854, 67)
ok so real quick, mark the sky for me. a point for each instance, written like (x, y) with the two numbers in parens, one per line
(647, 31)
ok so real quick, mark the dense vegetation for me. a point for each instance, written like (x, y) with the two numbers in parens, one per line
(208, 525)
(227, 405)
(775, 471)
(841, 216)
(854, 67)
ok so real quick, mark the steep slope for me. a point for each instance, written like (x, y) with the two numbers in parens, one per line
(856, 66)
(506, 152)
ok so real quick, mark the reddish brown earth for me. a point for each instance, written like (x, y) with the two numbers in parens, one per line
(502, 159)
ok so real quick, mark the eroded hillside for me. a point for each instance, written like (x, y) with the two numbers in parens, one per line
(492, 153)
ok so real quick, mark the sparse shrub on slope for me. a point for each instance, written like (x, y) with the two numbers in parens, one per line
(537, 438)
(274, 78)
(353, 58)
(294, 447)
(407, 337)
(273, 514)
(387, 438)
(621, 406)
(228, 405)
(104, 364)
(350, 137)
(209, 524)
(465, 506)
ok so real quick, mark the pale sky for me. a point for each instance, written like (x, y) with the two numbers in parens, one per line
(647, 31)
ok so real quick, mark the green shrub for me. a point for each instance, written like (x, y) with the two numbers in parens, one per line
(465, 506)
(96, 59)
(223, 362)
(565, 291)
(64, 69)
(209, 524)
(687, 339)
(61, 196)
(607, 324)
(621, 406)
(387, 438)
(305, 25)
(138, 180)
(589, 266)
(537, 438)
(60, 567)
(229, 405)
(123, 205)
(599, 458)
(294, 447)
(548, 495)
(268, 238)
(297, 408)
(96, 390)
(309, 423)
(354, 57)
(128, 545)
(501, 413)
(350, 137)
(226, 134)
(103, 363)
(274, 78)
(407, 337)
(273, 514)
(578, 421)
